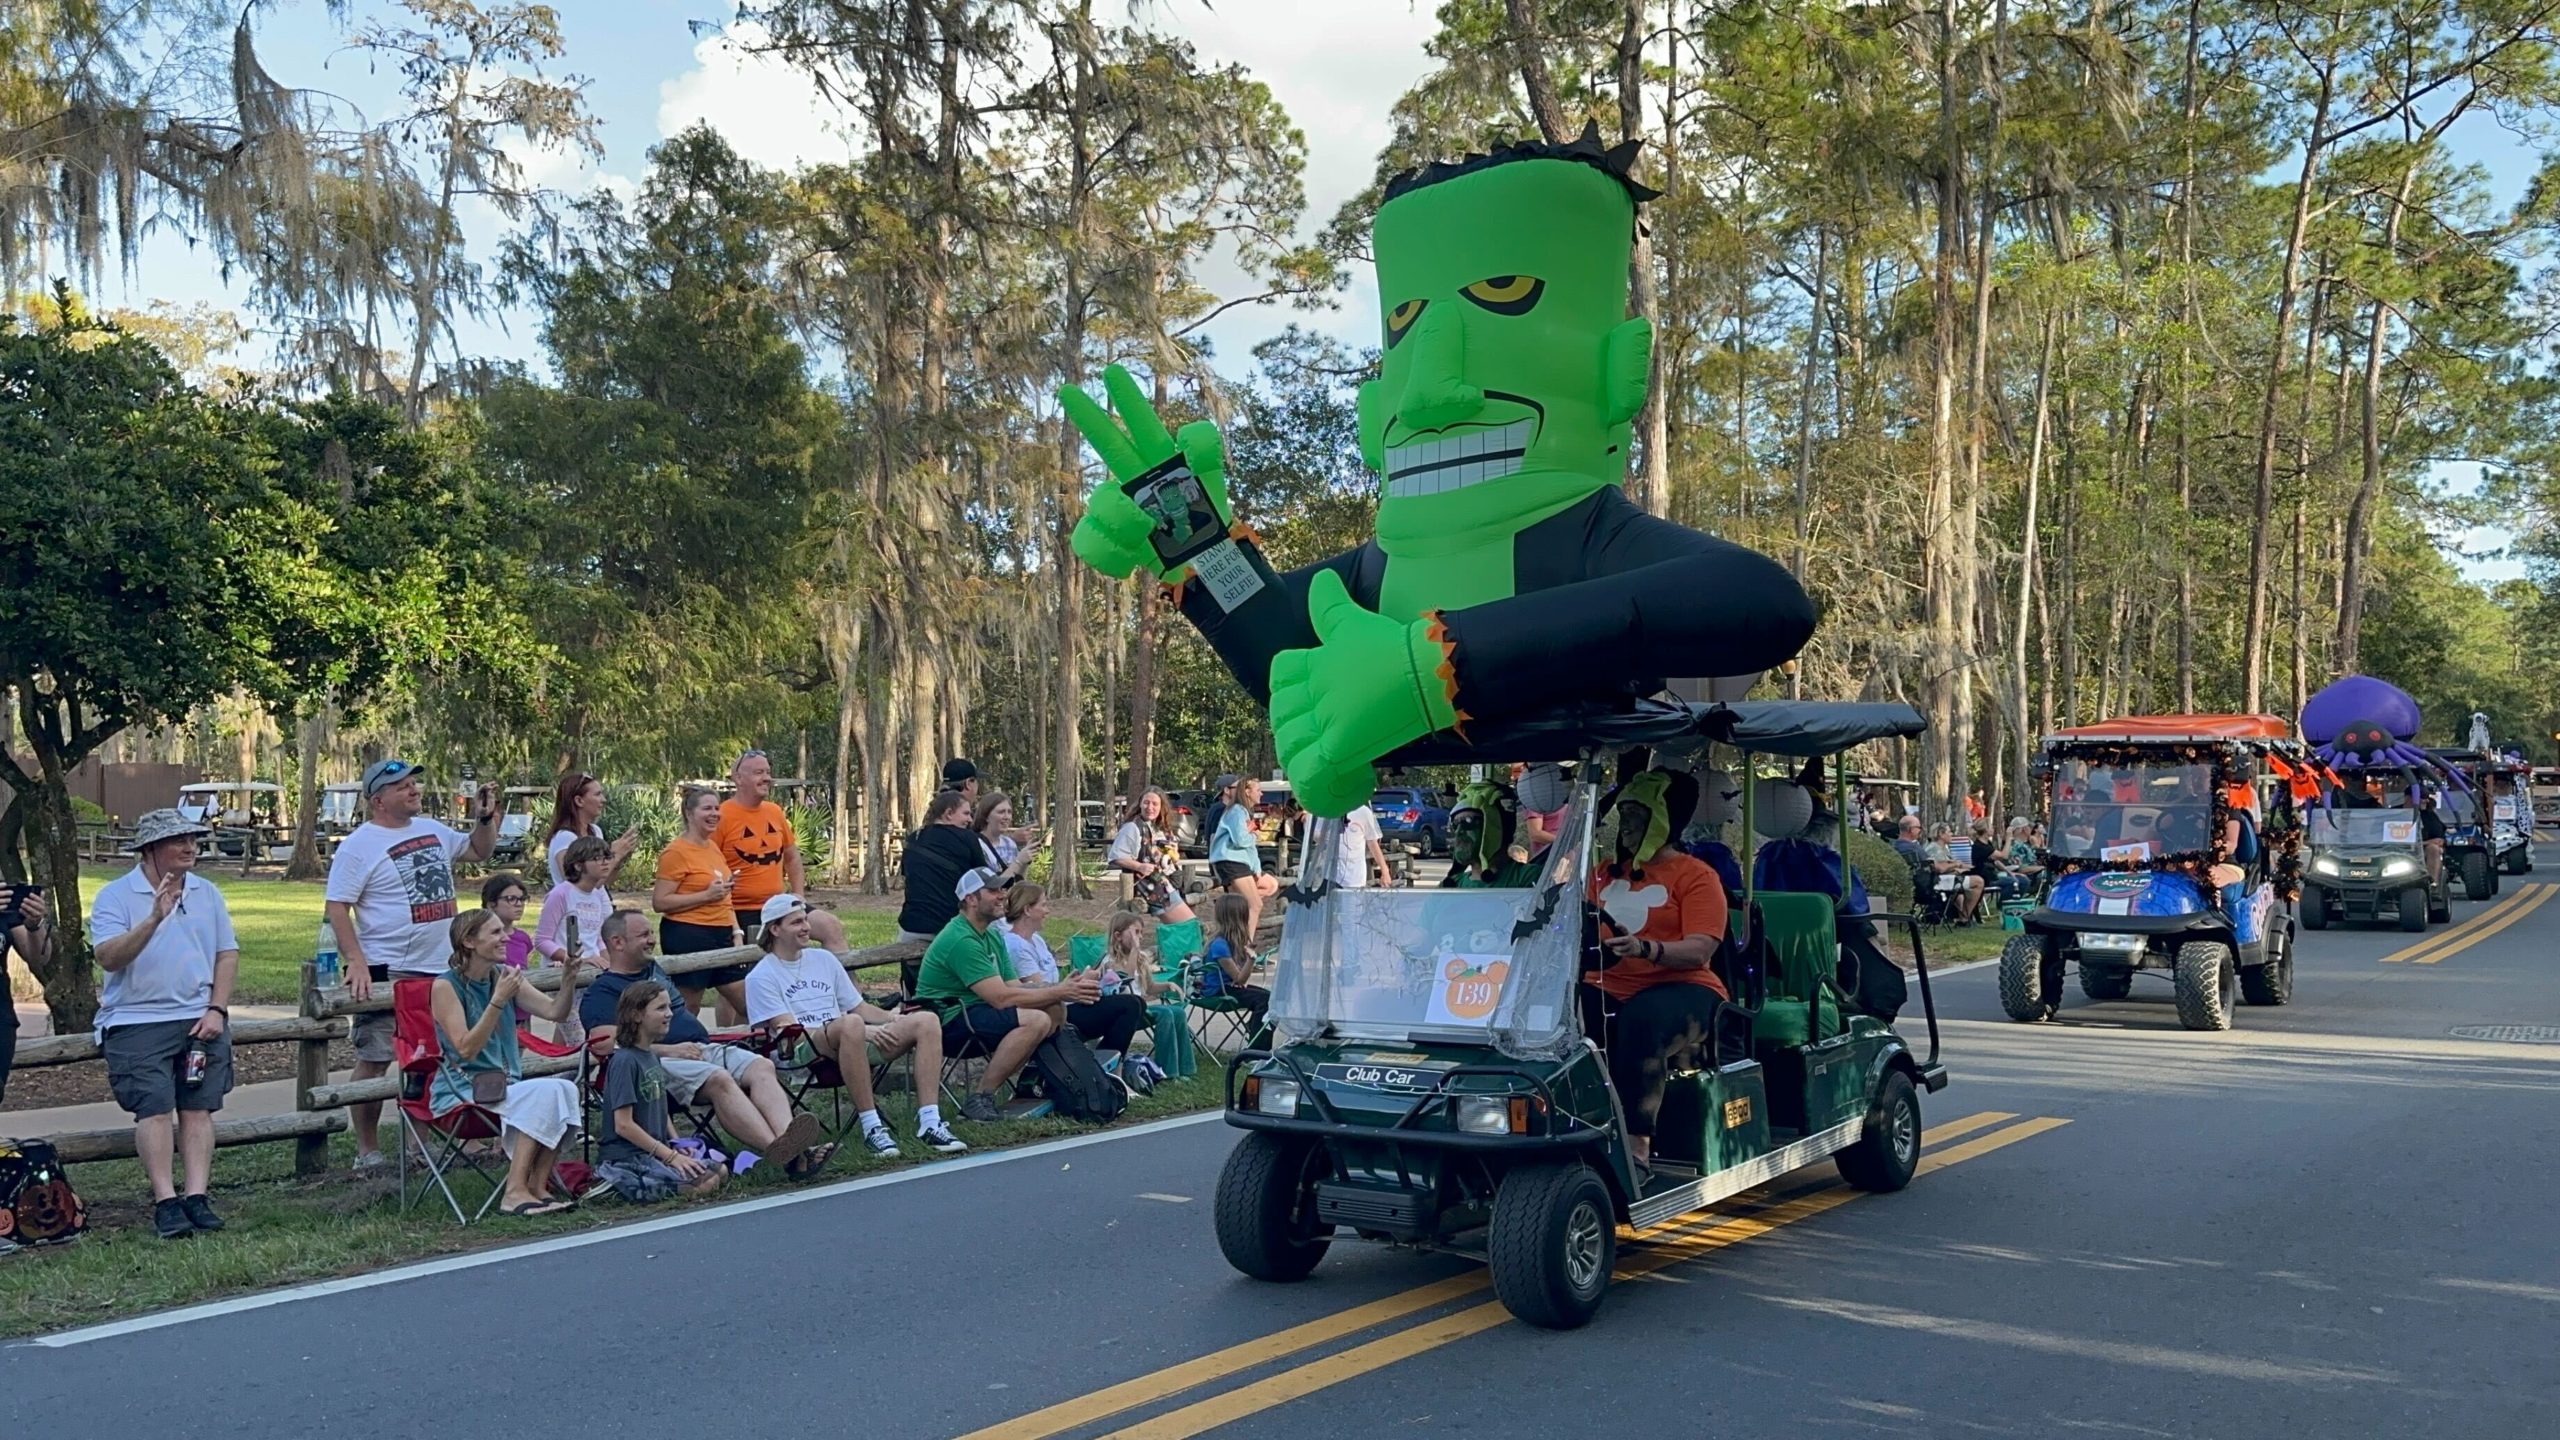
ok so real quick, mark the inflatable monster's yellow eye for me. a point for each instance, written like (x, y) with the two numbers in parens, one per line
(1400, 319)
(1507, 294)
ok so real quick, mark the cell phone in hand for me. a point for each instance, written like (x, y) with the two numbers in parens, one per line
(1186, 519)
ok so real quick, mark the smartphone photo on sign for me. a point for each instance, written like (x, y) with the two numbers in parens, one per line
(1186, 521)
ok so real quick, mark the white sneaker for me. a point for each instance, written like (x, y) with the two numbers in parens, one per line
(940, 1138)
(880, 1141)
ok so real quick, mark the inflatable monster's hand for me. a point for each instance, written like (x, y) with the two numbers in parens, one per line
(1370, 685)
(1112, 536)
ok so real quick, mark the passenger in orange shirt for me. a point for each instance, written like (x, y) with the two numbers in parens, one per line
(1663, 920)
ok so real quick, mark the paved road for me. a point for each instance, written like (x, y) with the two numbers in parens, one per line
(2332, 1220)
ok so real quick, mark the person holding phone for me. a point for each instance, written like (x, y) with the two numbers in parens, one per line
(1001, 847)
(26, 926)
(391, 903)
(577, 813)
(691, 895)
(475, 1002)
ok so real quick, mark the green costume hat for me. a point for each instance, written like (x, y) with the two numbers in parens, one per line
(1665, 798)
(1509, 574)
(1498, 810)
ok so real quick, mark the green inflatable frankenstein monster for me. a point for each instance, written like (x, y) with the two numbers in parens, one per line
(1509, 575)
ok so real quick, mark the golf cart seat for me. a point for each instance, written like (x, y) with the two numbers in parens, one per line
(2245, 854)
(1804, 951)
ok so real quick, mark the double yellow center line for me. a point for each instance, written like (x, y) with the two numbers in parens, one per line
(2476, 929)
(1659, 1248)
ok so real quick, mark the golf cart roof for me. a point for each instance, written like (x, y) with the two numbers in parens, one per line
(224, 787)
(529, 789)
(2464, 754)
(1800, 728)
(2138, 729)
(343, 787)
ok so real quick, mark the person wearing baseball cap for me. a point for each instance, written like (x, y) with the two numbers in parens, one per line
(958, 774)
(392, 900)
(164, 938)
(799, 984)
(968, 977)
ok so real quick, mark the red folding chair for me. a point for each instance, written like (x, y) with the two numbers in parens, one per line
(441, 1144)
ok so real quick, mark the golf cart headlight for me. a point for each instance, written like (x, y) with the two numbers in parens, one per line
(1484, 1115)
(1278, 1097)
(2323, 865)
(2399, 867)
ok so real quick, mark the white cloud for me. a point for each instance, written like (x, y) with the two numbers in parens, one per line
(770, 112)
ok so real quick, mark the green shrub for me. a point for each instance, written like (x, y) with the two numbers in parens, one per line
(1886, 873)
(650, 808)
(815, 830)
(86, 813)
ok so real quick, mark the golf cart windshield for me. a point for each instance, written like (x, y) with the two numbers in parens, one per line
(1410, 966)
(2372, 829)
(2131, 810)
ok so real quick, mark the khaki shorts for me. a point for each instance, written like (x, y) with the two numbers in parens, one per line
(685, 1078)
(805, 1052)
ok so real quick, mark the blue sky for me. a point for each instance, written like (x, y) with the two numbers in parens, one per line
(1336, 66)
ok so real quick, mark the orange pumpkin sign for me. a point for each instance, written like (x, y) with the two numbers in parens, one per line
(1471, 988)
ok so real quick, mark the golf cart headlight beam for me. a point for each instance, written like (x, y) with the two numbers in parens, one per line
(1484, 1115)
(2323, 865)
(1277, 1097)
(2399, 867)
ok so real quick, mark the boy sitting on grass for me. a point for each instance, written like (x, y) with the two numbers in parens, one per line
(638, 1155)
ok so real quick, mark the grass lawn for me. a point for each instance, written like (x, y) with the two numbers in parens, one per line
(284, 1231)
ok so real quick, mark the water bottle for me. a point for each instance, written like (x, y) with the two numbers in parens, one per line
(324, 960)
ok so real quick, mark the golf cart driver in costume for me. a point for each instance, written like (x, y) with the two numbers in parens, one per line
(1484, 848)
(1509, 574)
(1663, 917)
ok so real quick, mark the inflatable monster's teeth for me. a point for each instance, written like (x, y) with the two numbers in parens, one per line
(1457, 460)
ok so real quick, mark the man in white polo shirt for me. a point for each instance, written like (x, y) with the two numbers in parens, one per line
(164, 1019)
(391, 898)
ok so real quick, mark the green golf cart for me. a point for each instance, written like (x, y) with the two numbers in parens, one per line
(1430, 1083)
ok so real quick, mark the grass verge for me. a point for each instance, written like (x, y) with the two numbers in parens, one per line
(285, 1231)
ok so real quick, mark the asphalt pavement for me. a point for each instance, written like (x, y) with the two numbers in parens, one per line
(2334, 1219)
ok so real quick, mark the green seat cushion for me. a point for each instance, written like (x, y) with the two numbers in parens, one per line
(1782, 1022)
(1178, 943)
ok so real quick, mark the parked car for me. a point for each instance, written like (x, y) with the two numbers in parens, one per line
(1413, 815)
(1189, 821)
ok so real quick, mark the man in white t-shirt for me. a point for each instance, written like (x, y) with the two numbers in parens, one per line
(392, 901)
(1358, 848)
(796, 985)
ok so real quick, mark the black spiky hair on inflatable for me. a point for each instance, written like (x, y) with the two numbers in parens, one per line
(1615, 161)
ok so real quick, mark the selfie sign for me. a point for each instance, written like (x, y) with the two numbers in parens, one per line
(1188, 532)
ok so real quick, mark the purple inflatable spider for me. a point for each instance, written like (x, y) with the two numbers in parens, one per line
(2361, 723)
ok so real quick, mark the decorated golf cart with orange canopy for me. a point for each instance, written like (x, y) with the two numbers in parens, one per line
(2174, 849)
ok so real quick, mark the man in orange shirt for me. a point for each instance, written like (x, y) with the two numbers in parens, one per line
(756, 838)
(1663, 920)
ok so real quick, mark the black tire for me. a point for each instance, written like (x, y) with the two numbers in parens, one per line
(2314, 908)
(2208, 985)
(2414, 909)
(1266, 1207)
(2479, 882)
(2272, 982)
(1552, 1244)
(1888, 1154)
(2022, 978)
(2105, 983)
(2514, 863)
(1434, 844)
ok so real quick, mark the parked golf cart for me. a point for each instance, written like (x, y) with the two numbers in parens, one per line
(2368, 866)
(2138, 810)
(1431, 1085)
(2544, 790)
(523, 808)
(2510, 815)
(341, 809)
(246, 817)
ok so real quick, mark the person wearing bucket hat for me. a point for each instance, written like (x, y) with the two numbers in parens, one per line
(164, 938)
(392, 900)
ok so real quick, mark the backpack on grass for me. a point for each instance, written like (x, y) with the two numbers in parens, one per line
(37, 1206)
(1074, 1080)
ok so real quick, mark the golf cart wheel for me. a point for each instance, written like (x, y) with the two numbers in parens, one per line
(2479, 882)
(2315, 908)
(1887, 1155)
(2272, 982)
(2414, 909)
(1553, 1242)
(2105, 983)
(2022, 978)
(1267, 1207)
(2514, 862)
(2208, 985)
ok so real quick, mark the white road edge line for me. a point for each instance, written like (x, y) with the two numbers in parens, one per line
(450, 1263)
(1936, 974)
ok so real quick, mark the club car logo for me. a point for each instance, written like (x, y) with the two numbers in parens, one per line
(2118, 886)
(1372, 1076)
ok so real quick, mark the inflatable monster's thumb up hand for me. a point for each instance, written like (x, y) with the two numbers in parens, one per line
(1112, 536)
(1370, 685)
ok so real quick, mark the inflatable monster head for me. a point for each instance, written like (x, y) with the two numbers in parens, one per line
(1511, 371)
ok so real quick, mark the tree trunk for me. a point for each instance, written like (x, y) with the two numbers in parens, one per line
(1653, 480)
(2022, 753)
(2253, 634)
(2368, 494)
(310, 738)
(1142, 692)
(1529, 52)
(1942, 771)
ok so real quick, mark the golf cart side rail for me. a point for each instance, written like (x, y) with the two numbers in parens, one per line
(1931, 1072)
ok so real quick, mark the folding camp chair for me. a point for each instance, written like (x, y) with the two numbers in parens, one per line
(442, 1144)
(800, 1077)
